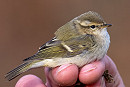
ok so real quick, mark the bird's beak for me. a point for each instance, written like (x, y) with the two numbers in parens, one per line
(107, 25)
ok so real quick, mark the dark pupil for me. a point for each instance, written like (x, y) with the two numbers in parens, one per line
(93, 26)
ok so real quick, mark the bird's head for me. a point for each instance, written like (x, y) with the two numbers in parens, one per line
(91, 23)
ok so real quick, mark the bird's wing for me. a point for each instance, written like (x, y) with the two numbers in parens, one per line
(56, 48)
(48, 50)
(52, 42)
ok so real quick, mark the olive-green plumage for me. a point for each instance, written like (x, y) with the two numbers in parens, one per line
(76, 42)
(56, 49)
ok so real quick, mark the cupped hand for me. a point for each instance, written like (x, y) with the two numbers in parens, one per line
(89, 75)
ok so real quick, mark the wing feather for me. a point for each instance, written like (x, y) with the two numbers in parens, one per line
(55, 48)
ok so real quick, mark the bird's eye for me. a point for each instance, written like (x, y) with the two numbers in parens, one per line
(92, 26)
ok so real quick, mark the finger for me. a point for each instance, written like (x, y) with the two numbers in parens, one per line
(111, 67)
(30, 81)
(99, 83)
(90, 73)
(65, 75)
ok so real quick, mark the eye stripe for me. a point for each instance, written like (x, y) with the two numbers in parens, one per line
(84, 26)
(91, 26)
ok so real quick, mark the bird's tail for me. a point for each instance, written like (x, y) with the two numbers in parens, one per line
(18, 70)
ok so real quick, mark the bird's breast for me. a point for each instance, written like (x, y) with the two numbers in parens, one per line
(102, 44)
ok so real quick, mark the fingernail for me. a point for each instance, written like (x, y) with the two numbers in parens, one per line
(88, 68)
(63, 67)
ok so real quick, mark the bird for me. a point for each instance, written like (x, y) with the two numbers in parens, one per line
(80, 41)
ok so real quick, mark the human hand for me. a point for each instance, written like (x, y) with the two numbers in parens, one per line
(66, 75)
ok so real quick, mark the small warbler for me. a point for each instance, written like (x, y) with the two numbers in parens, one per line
(80, 41)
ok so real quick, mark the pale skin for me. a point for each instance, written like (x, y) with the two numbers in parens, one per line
(66, 75)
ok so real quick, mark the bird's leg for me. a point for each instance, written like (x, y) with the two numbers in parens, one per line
(108, 77)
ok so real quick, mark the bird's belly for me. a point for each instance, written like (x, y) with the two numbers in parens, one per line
(79, 60)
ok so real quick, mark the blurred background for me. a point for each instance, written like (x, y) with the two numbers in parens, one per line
(26, 24)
